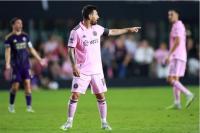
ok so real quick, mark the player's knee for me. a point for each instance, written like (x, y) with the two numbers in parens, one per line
(28, 92)
(171, 80)
(27, 85)
(100, 96)
(75, 96)
(15, 88)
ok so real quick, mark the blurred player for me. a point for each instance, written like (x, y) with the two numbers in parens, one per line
(177, 60)
(85, 56)
(17, 57)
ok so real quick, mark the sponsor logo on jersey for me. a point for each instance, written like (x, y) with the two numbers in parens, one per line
(86, 43)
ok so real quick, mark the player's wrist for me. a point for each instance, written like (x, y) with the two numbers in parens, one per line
(73, 66)
(128, 30)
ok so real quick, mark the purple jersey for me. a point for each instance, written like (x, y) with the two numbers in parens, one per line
(19, 53)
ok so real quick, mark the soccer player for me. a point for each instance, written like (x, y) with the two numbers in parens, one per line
(17, 58)
(177, 60)
(85, 57)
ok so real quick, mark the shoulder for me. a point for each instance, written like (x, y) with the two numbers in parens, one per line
(98, 26)
(179, 24)
(77, 27)
(25, 34)
(8, 36)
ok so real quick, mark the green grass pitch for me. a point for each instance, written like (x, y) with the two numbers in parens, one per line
(138, 110)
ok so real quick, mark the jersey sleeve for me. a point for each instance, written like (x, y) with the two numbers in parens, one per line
(29, 43)
(73, 39)
(103, 31)
(177, 30)
(7, 42)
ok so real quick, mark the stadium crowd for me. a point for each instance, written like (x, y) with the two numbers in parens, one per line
(124, 56)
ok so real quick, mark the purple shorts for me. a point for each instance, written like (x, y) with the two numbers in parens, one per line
(177, 68)
(18, 75)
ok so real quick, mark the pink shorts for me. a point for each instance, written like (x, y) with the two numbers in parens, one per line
(177, 68)
(97, 83)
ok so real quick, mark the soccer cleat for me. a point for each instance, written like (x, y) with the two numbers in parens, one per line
(30, 110)
(106, 126)
(190, 99)
(66, 126)
(174, 106)
(11, 109)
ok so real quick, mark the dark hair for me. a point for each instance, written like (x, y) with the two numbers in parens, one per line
(87, 10)
(175, 10)
(13, 20)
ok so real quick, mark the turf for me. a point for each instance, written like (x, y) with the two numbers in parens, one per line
(138, 110)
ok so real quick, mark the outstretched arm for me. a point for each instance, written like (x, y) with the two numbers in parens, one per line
(115, 32)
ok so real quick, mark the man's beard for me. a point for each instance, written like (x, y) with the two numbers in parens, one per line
(94, 23)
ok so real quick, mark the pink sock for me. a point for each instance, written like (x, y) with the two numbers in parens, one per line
(177, 95)
(102, 106)
(179, 86)
(71, 109)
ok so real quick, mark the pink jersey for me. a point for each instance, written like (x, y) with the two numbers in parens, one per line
(87, 48)
(178, 30)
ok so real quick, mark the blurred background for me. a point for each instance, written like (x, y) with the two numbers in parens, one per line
(128, 60)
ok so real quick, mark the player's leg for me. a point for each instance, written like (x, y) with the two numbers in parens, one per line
(178, 85)
(176, 92)
(102, 106)
(16, 79)
(72, 105)
(28, 95)
(79, 86)
(26, 76)
(13, 91)
(176, 70)
(98, 87)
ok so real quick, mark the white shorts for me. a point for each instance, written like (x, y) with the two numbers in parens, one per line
(97, 83)
(177, 68)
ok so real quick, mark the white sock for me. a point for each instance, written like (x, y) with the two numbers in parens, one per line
(70, 119)
(29, 107)
(104, 120)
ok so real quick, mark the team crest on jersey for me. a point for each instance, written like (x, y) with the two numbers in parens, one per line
(94, 33)
(75, 86)
(24, 38)
(14, 41)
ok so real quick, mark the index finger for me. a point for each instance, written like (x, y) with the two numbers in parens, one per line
(138, 27)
